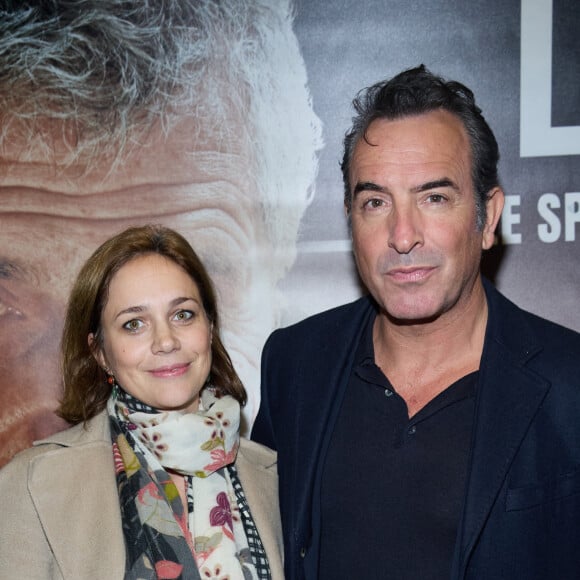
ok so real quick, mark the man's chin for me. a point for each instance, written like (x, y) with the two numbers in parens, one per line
(18, 433)
(413, 315)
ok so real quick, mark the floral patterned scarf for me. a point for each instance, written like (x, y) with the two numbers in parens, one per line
(158, 530)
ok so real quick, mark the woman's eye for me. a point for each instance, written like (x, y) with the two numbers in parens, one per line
(184, 315)
(134, 324)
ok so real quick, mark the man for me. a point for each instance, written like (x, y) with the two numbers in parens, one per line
(430, 430)
(117, 113)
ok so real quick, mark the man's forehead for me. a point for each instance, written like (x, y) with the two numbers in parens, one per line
(432, 135)
(434, 119)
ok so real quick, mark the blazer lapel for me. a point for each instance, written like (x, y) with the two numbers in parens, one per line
(314, 359)
(509, 396)
(85, 519)
(329, 381)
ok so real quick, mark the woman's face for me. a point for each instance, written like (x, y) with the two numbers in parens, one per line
(156, 334)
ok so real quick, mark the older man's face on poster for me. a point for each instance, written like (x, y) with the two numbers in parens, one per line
(225, 183)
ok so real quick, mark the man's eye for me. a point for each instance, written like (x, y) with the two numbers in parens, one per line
(134, 324)
(373, 203)
(436, 198)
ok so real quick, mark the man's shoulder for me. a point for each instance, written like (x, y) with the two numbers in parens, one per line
(339, 317)
(552, 329)
(560, 346)
(326, 332)
(504, 305)
(519, 329)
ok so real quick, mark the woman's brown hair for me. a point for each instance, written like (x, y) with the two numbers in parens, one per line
(86, 389)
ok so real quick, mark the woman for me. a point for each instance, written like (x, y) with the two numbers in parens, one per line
(153, 480)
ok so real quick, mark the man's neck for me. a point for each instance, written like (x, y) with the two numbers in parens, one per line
(422, 360)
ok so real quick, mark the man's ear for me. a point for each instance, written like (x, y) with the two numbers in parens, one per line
(97, 351)
(494, 205)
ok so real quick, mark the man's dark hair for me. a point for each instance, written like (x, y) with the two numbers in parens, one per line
(417, 91)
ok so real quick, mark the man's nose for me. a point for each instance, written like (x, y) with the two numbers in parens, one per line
(405, 229)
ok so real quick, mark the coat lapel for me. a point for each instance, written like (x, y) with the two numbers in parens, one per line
(509, 396)
(257, 468)
(74, 492)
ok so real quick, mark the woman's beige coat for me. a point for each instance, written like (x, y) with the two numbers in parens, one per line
(60, 514)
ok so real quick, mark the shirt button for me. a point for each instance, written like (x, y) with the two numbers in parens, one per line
(388, 393)
(412, 430)
(302, 552)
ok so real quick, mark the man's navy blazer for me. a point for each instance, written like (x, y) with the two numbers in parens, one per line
(521, 513)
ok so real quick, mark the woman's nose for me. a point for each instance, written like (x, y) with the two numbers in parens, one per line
(165, 339)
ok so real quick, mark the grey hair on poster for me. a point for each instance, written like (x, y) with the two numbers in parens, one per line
(104, 72)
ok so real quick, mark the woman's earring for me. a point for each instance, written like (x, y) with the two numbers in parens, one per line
(111, 381)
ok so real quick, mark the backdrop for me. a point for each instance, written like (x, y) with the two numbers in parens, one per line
(257, 189)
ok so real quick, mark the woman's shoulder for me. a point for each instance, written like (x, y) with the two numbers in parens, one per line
(257, 454)
(17, 467)
(94, 430)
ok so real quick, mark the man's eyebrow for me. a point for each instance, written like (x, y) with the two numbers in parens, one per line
(367, 186)
(437, 184)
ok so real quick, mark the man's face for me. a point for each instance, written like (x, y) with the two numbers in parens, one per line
(414, 230)
(53, 216)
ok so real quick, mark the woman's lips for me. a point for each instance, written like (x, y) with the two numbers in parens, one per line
(176, 370)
